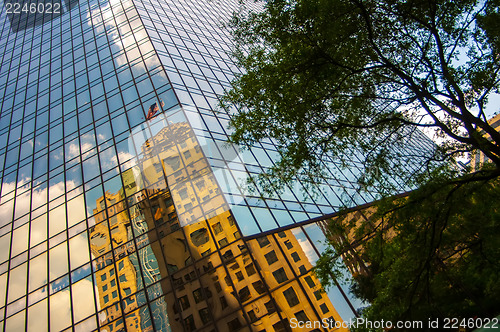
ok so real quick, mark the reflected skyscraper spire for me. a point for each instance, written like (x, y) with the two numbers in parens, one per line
(122, 206)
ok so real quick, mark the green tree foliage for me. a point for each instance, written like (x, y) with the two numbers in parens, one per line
(433, 254)
(323, 75)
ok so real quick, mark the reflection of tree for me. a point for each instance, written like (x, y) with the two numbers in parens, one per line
(436, 247)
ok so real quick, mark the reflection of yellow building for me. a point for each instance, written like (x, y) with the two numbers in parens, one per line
(352, 241)
(478, 158)
(174, 154)
(209, 274)
(191, 199)
(287, 271)
(119, 279)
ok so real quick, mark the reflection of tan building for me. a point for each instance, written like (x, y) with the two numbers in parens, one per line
(286, 270)
(209, 274)
(266, 276)
(204, 273)
(360, 225)
(352, 242)
(119, 279)
(478, 158)
(196, 294)
(174, 153)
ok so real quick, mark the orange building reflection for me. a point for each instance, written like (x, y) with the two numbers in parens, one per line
(204, 274)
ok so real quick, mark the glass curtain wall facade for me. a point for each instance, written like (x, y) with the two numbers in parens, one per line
(121, 206)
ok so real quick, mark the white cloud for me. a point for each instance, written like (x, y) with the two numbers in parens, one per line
(37, 317)
(17, 283)
(57, 221)
(83, 299)
(79, 250)
(131, 162)
(38, 272)
(89, 150)
(306, 247)
(55, 190)
(60, 311)
(38, 232)
(16, 322)
(72, 151)
(58, 258)
(5, 248)
(117, 32)
(31, 200)
(20, 239)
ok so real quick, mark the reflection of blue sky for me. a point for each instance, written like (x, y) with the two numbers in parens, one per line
(341, 305)
(266, 221)
(493, 105)
(81, 273)
(59, 284)
(91, 198)
(242, 212)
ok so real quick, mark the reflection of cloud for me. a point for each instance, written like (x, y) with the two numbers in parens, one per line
(79, 251)
(129, 158)
(37, 318)
(60, 218)
(57, 155)
(16, 322)
(38, 272)
(60, 311)
(72, 151)
(76, 210)
(4, 251)
(10, 186)
(58, 257)
(83, 300)
(30, 201)
(17, 283)
(57, 220)
(88, 148)
(55, 190)
(6, 212)
(20, 240)
(108, 160)
(308, 249)
(118, 31)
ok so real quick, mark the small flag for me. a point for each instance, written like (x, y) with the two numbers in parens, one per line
(152, 111)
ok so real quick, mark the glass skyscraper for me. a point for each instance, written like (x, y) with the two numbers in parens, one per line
(122, 206)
